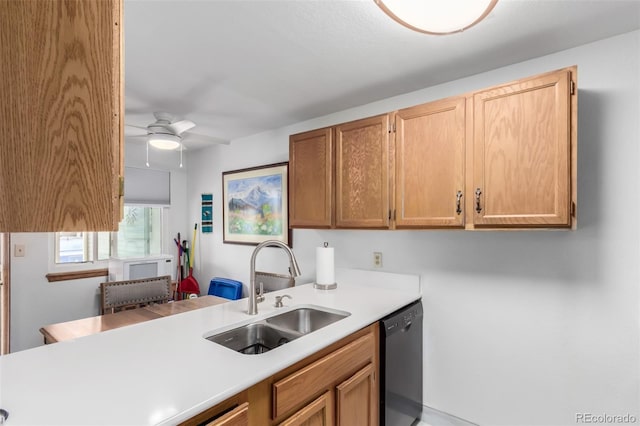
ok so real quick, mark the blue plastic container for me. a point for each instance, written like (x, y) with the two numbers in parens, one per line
(225, 287)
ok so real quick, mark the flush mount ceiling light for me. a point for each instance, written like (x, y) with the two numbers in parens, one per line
(437, 16)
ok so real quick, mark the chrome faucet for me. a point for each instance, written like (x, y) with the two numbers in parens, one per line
(294, 270)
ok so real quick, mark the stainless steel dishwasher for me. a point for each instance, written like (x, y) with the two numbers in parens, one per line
(401, 366)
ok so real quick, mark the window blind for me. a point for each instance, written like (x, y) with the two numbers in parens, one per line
(147, 186)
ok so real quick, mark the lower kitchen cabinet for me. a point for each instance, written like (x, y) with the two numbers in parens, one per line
(335, 386)
(317, 413)
(355, 402)
(346, 376)
(232, 412)
(357, 399)
(239, 416)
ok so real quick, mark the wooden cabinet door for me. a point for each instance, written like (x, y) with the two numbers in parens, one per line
(61, 112)
(429, 164)
(236, 417)
(522, 153)
(311, 179)
(362, 173)
(356, 399)
(317, 413)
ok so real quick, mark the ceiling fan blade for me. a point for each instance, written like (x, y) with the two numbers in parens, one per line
(204, 139)
(131, 130)
(182, 126)
(137, 127)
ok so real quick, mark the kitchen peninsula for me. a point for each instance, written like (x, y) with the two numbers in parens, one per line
(164, 371)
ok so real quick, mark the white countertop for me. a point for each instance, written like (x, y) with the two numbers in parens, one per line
(163, 371)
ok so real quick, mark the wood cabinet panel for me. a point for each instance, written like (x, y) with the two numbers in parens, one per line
(356, 399)
(522, 153)
(231, 412)
(317, 413)
(305, 383)
(429, 164)
(362, 173)
(311, 179)
(61, 155)
(237, 417)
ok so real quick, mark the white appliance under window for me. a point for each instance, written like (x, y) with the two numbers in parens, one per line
(141, 267)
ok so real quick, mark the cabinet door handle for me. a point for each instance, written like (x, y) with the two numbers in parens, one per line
(478, 207)
(458, 198)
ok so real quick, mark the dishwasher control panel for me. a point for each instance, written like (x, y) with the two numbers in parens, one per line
(402, 318)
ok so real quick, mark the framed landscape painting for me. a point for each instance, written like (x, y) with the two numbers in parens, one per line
(255, 205)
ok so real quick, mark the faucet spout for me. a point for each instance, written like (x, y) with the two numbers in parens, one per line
(294, 270)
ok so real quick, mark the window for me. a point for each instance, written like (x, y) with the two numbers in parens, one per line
(139, 235)
(81, 247)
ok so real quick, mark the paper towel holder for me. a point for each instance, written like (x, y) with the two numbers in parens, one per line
(325, 286)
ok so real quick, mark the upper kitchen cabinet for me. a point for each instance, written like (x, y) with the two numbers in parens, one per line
(524, 153)
(311, 179)
(362, 173)
(61, 154)
(499, 158)
(429, 165)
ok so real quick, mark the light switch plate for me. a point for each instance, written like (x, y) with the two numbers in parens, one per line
(18, 250)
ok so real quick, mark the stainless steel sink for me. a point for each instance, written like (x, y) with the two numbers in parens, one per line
(255, 338)
(267, 334)
(305, 320)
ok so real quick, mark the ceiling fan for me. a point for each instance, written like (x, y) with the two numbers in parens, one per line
(170, 133)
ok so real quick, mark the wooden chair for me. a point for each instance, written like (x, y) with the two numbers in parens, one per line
(120, 295)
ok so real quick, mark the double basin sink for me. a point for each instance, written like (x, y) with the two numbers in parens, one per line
(267, 334)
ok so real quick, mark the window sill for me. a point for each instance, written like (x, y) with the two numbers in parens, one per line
(77, 275)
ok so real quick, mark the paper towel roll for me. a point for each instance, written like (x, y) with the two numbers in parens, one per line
(325, 271)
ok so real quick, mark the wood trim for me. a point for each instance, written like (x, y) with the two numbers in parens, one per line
(118, 108)
(77, 275)
(5, 294)
(573, 128)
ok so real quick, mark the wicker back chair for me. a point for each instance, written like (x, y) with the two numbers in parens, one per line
(120, 295)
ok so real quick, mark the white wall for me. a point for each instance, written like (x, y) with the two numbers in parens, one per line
(520, 327)
(35, 302)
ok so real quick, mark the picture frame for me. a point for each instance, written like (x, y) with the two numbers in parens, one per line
(255, 205)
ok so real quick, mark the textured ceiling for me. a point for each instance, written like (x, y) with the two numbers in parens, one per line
(238, 67)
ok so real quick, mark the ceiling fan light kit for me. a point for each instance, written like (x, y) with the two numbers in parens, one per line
(438, 17)
(164, 141)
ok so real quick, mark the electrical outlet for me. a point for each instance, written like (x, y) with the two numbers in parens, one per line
(377, 259)
(18, 250)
